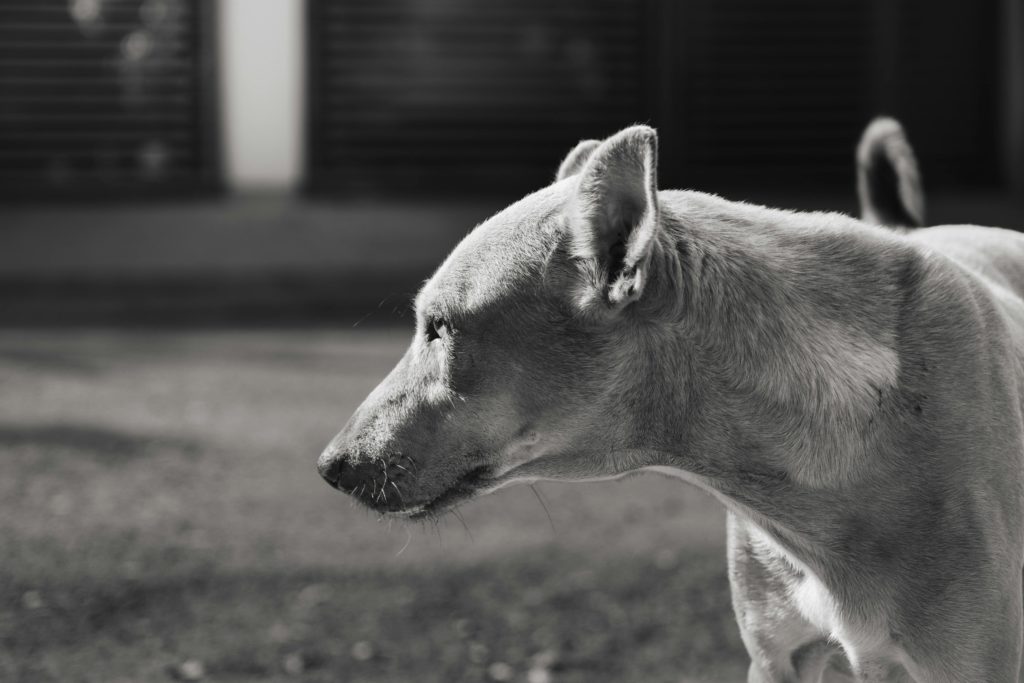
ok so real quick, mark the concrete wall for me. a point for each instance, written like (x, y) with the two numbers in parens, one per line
(262, 66)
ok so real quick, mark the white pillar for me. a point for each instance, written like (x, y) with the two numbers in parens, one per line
(262, 66)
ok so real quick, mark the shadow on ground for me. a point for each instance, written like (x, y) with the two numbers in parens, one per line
(110, 446)
(626, 620)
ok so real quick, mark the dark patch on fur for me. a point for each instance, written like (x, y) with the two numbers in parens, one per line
(866, 543)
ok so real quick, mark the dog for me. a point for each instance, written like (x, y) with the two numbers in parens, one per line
(851, 390)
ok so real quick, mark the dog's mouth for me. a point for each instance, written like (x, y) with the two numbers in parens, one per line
(464, 488)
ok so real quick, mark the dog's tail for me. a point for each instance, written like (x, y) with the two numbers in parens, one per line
(888, 180)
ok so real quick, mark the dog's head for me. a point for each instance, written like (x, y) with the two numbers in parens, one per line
(529, 356)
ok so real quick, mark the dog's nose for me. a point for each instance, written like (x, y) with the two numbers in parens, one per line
(345, 476)
(329, 466)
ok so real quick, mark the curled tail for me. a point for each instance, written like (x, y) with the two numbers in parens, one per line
(888, 180)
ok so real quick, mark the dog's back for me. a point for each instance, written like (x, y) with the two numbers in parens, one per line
(891, 194)
(994, 256)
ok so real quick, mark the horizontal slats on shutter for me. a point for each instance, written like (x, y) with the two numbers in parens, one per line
(105, 98)
(460, 97)
(456, 97)
(774, 90)
(777, 92)
(946, 56)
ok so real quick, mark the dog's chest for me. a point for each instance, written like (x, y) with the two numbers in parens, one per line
(814, 601)
(804, 591)
(818, 606)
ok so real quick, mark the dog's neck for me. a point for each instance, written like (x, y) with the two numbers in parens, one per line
(790, 324)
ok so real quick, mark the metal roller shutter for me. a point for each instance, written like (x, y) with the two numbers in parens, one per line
(103, 98)
(778, 92)
(455, 97)
(461, 97)
(774, 91)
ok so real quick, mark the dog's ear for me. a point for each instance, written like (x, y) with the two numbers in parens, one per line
(615, 214)
(576, 158)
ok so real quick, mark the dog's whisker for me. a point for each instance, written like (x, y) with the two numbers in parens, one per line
(543, 504)
(408, 540)
(462, 520)
(401, 499)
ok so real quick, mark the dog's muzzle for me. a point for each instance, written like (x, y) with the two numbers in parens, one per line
(386, 485)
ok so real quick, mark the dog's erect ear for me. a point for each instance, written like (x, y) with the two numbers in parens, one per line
(576, 158)
(615, 213)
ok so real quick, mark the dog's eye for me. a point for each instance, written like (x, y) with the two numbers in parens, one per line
(436, 328)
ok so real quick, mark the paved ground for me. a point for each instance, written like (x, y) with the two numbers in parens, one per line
(278, 258)
(161, 519)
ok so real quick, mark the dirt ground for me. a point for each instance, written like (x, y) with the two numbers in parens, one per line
(161, 518)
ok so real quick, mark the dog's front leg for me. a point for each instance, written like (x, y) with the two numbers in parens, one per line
(784, 647)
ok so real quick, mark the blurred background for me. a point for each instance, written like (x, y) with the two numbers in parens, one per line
(213, 215)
